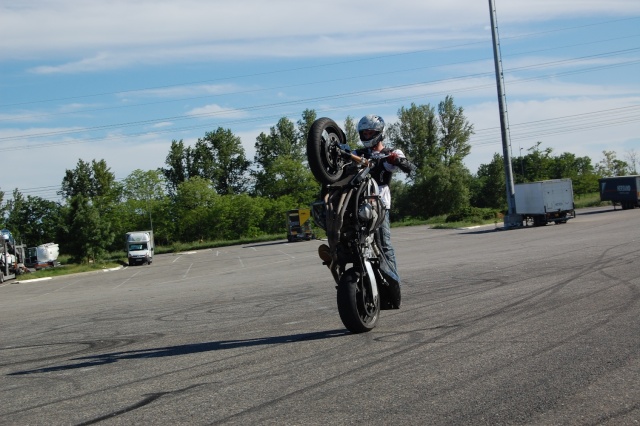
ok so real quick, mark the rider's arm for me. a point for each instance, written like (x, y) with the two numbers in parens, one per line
(397, 159)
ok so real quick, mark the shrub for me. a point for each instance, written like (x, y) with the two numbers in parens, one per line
(473, 215)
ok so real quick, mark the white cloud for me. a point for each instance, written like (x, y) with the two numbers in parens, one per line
(72, 41)
(83, 36)
(187, 90)
(162, 125)
(100, 62)
(584, 126)
(207, 111)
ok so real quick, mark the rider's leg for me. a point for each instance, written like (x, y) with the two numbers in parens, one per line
(387, 247)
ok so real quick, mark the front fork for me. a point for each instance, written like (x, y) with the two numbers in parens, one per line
(373, 284)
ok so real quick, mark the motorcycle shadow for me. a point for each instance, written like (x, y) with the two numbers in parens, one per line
(192, 348)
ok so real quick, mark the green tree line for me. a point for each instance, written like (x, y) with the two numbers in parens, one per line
(211, 191)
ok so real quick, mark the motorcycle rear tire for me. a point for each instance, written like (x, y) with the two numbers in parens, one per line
(323, 143)
(358, 312)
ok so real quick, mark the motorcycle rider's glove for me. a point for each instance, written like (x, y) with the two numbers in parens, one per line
(392, 158)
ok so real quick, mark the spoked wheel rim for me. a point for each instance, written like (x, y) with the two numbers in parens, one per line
(367, 307)
(332, 162)
(323, 150)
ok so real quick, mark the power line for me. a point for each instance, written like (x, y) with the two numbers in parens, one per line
(553, 126)
(375, 58)
(339, 95)
(523, 131)
(281, 87)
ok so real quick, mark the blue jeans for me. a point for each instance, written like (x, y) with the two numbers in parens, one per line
(385, 242)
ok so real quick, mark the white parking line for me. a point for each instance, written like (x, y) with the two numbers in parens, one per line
(127, 280)
(287, 254)
(187, 273)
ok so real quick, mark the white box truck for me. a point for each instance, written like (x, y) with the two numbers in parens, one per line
(140, 247)
(545, 201)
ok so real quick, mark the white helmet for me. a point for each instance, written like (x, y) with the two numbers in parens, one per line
(374, 123)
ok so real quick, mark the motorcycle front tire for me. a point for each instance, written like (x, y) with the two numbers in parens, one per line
(323, 150)
(358, 311)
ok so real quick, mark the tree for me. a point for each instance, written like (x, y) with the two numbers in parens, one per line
(351, 132)
(178, 165)
(200, 160)
(437, 145)
(632, 161)
(196, 204)
(144, 204)
(33, 220)
(564, 166)
(93, 180)
(578, 169)
(91, 231)
(610, 165)
(489, 187)
(293, 178)
(585, 184)
(455, 131)
(279, 155)
(440, 190)
(95, 185)
(304, 124)
(144, 186)
(77, 181)
(3, 207)
(537, 164)
(224, 161)
(282, 140)
(416, 134)
(248, 214)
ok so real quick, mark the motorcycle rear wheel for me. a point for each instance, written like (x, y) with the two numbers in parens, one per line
(323, 150)
(358, 312)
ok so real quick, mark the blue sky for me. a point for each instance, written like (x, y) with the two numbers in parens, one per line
(120, 80)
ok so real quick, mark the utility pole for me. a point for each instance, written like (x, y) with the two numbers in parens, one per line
(512, 219)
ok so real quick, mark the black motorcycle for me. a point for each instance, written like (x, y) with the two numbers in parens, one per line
(351, 212)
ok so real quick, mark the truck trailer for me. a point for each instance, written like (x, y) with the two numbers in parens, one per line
(140, 247)
(299, 225)
(545, 201)
(11, 257)
(622, 190)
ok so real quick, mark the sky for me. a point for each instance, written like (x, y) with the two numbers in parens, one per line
(120, 80)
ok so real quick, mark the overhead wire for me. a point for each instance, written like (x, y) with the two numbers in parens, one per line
(522, 132)
(344, 95)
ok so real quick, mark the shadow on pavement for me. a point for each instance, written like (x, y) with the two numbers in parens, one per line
(193, 348)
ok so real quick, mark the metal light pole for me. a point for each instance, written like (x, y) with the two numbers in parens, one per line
(149, 210)
(512, 219)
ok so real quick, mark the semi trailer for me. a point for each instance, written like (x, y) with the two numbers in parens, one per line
(621, 190)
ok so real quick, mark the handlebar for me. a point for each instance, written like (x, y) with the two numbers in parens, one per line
(367, 162)
(402, 163)
(359, 160)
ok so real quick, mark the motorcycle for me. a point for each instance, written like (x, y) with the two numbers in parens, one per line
(351, 211)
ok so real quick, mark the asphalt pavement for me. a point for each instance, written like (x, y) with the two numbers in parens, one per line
(527, 326)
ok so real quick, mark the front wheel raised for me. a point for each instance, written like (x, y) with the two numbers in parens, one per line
(358, 310)
(323, 150)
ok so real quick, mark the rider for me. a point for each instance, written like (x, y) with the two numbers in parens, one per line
(371, 129)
